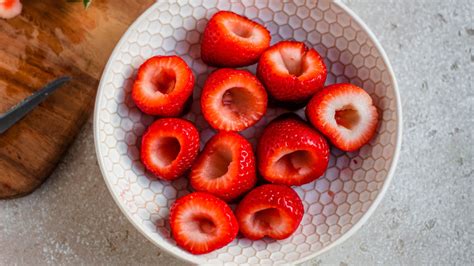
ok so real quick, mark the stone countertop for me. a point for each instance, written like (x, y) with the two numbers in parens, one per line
(426, 217)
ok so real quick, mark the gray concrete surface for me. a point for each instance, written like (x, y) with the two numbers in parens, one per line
(427, 216)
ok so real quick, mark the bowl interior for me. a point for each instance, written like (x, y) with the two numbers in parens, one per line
(333, 204)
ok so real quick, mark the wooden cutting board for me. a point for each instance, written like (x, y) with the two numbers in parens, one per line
(52, 38)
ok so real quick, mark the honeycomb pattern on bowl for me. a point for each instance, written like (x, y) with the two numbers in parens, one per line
(333, 204)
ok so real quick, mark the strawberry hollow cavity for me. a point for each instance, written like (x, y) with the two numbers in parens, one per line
(347, 117)
(204, 225)
(163, 81)
(166, 150)
(292, 60)
(237, 103)
(266, 220)
(295, 163)
(238, 28)
(200, 227)
(218, 163)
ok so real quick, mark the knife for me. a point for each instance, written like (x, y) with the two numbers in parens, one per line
(18, 111)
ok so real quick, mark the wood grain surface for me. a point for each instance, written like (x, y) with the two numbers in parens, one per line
(52, 38)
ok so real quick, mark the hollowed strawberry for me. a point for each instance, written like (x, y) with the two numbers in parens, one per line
(233, 100)
(226, 167)
(291, 72)
(201, 223)
(345, 114)
(291, 153)
(169, 147)
(231, 40)
(163, 86)
(10, 8)
(269, 210)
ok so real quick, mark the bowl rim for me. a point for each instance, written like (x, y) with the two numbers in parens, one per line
(182, 255)
(388, 180)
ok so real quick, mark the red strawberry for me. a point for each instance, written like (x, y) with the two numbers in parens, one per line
(169, 147)
(226, 167)
(291, 153)
(163, 85)
(10, 8)
(201, 223)
(291, 72)
(233, 100)
(345, 114)
(269, 210)
(231, 40)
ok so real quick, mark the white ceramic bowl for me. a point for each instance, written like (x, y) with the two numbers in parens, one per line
(336, 205)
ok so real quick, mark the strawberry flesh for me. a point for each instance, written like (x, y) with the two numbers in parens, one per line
(291, 72)
(201, 223)
(291, 153)
(233, 100)
(345, 114)
(10, 8)
(169, 147)
(226, 167)
(163, 86)
(231, 40)
(269, 210)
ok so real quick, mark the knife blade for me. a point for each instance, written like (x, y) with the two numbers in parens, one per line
(18, 111)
